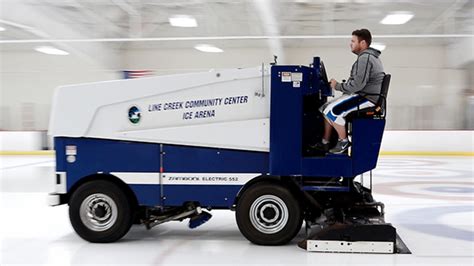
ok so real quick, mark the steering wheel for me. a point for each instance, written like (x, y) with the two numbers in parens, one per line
(324, 76)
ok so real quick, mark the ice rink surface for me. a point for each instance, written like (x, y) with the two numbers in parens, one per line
(428, 199)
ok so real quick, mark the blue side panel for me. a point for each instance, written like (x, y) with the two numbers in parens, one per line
(326, 188)
(148, 195)
(60, 154)
(99, 155)
(106, 156)
(208, 195)
(332, 165)
(182, 159)
(286, 121)
(366, 141)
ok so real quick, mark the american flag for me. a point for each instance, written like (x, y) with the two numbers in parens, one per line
(133, 74)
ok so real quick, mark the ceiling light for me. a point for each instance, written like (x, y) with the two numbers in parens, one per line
(50, 50)
(208, 48)
(397, 18)
(2, 29)
(182, 21)
(378, 45)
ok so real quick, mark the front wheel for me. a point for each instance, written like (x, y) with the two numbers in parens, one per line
(100, 212)
(268, 214)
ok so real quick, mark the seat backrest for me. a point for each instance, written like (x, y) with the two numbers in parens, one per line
(382, 102)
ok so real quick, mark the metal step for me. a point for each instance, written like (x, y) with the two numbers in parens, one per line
(350, 246)
(356, 238)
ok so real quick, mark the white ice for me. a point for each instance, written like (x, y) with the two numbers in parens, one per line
(428, 199)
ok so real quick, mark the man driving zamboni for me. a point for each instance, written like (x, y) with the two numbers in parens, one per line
(359, 91)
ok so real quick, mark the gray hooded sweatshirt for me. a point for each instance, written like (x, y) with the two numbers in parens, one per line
(366, 76)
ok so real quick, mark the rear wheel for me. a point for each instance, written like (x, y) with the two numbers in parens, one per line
(268, 214)
(100, 212)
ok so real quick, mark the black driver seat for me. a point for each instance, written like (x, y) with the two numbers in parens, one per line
(380, 107)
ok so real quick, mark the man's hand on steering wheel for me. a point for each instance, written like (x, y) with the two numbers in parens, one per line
(333, 83)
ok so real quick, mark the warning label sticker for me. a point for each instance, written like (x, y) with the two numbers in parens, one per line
(297, 76)
(285, 76)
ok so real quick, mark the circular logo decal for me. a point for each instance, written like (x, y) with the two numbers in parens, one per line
(134, 115)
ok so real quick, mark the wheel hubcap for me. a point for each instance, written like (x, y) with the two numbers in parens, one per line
(268, 214)
(98, 212)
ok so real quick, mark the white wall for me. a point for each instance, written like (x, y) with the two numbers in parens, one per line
(22, 140)
(424, 94)
(27, 82)
(428, 141)
(461, 52)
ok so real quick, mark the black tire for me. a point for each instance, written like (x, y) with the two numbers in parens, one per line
(279, 203)
(102, 196)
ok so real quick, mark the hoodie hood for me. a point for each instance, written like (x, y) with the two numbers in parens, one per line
(371, 51)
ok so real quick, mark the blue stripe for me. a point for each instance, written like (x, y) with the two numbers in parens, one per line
(328, 189)
(348, 104)
(331, 116)
(185, 159)
(216, 196)
(348, 99)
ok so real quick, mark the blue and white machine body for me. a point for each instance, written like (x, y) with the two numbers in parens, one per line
(192, 134)
(236, 139)
(198, 137)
